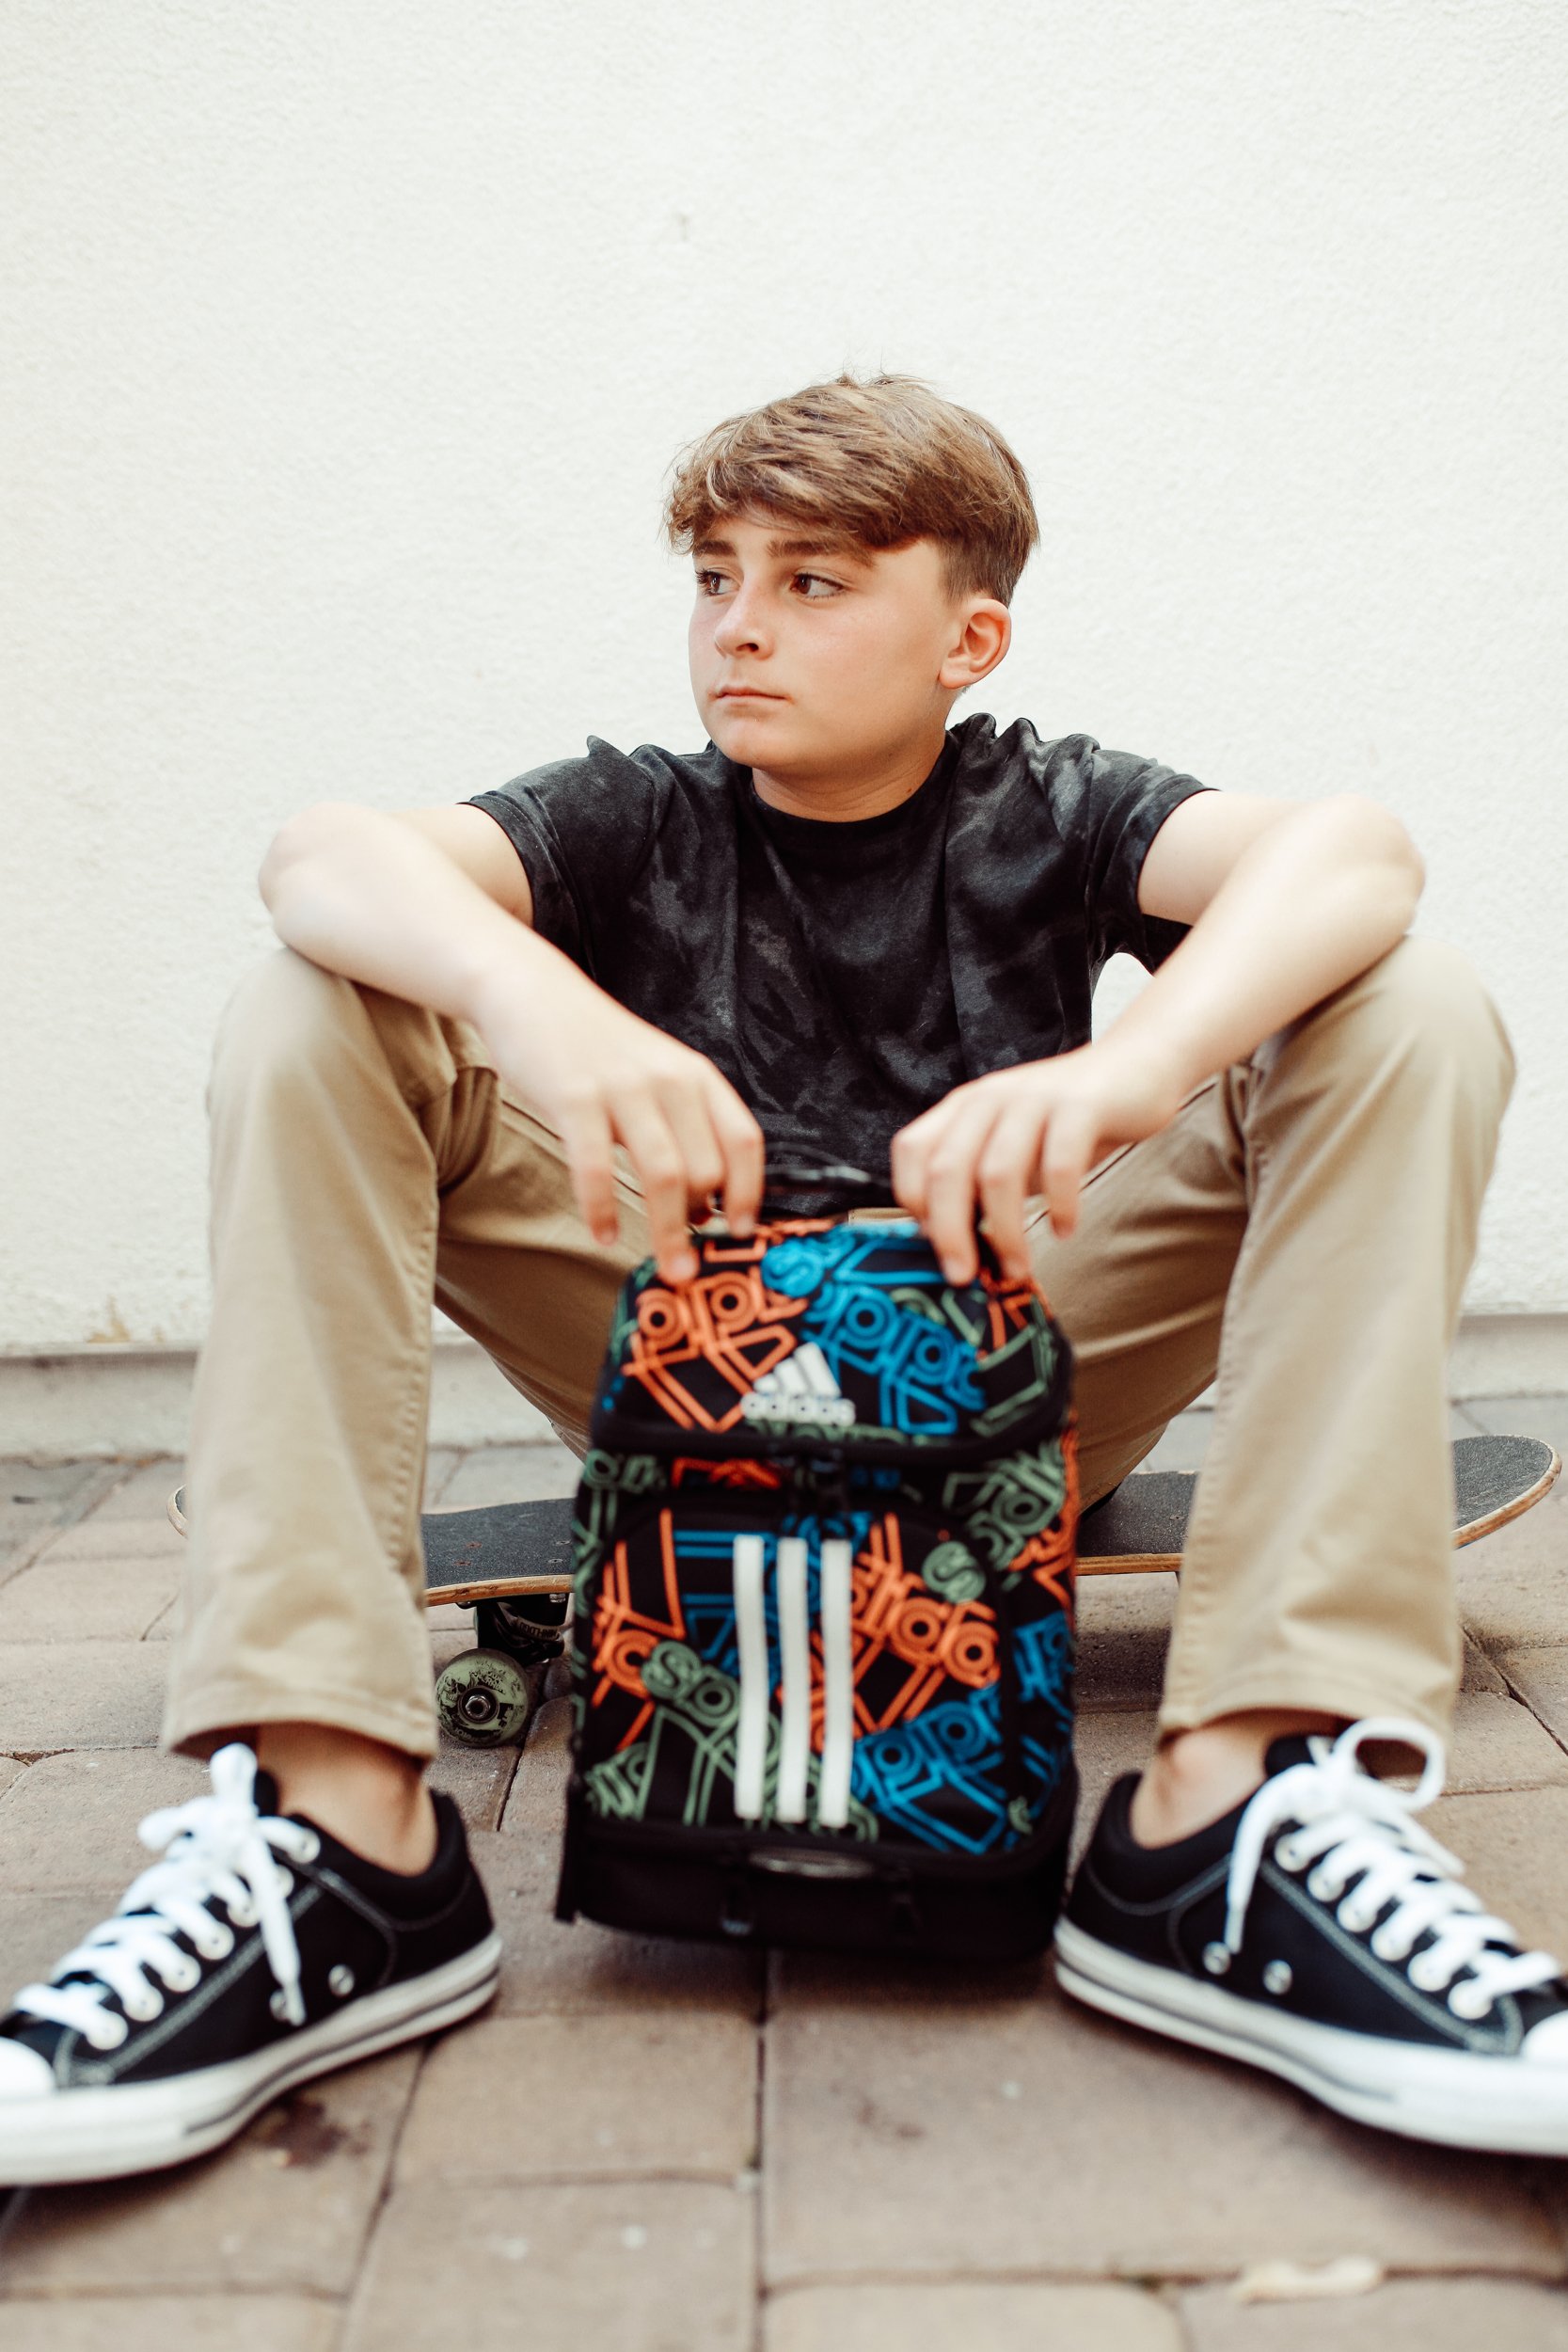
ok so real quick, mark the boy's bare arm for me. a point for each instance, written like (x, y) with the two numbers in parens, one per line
(422, 905)
(435, 907)
(1286, 902)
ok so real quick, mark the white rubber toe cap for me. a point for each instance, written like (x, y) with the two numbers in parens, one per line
(1546, 2044)
(23, 2074)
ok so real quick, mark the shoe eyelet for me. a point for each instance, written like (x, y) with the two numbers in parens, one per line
(218, 1944)
(243, 1915)
(144, 2007)
(109, 2032)
(1326, 1885)
(184, 1979)
(340, 1981)
(1467, 2000)
(1392, 1948)
(1216, 1959)
(309, 1847)
(1278, 1976)
(1354, 1917)
(278, 2005)
(1289, 1856)
(285, 1883)
(1425, 1977)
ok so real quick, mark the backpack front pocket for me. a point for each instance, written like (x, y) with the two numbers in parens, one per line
(840, 1672)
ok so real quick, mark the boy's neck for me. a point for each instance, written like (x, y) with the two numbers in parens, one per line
(840, 797)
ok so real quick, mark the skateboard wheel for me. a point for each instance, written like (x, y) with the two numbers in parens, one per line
(484, 1699)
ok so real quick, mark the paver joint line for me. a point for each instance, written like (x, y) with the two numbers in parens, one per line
(173, 2294)
(1026, 2275)
(389, 2171)
(92, 1496)
(1516, 1693)
(568, 2176)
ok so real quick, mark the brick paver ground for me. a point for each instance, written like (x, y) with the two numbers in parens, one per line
(661, 2148)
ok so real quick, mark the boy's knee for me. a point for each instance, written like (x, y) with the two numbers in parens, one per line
(279, 1018)
(1424, 1002)
(297, 1035)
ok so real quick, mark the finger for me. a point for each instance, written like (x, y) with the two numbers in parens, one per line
(950, 1188)
(684, 1102)
(910, 1153)
(743, 1144)
(641, 1126)
(585, 1132)
(1008, 1174)
(1069, 1145)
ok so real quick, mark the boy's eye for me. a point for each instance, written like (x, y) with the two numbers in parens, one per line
(711, 583)
(816, 587)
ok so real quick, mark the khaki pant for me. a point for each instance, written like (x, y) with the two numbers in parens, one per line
(1303, 1227)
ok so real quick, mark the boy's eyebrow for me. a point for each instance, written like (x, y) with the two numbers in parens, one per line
(841, 550)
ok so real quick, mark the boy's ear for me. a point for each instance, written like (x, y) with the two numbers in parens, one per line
(983, 633)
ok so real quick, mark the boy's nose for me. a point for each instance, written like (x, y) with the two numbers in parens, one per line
(740, 628)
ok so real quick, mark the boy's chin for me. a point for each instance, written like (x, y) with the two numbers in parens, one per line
(746, 734)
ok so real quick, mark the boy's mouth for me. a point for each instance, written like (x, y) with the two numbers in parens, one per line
(745, 695)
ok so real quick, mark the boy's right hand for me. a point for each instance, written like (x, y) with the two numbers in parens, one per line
(599, 1075)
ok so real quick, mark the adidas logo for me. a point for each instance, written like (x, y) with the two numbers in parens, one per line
(802, 1388)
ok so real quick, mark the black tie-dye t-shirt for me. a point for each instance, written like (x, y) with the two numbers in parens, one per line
(846, 976)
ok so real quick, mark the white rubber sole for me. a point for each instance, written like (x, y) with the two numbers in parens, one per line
(1510, 2106)
(101, 2133)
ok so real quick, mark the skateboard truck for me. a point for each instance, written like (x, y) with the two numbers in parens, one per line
(485, 1695)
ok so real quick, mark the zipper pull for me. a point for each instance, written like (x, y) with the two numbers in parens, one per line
(829, 1488)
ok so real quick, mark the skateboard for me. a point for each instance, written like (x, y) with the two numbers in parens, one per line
(512, 1565)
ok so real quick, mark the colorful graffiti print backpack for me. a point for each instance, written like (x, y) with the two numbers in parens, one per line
(822, 1652)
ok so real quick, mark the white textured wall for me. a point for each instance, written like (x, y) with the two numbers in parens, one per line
(345, 348)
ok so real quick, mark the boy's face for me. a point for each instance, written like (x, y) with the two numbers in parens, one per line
(811, 659)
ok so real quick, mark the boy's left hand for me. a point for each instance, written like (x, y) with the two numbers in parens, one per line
(1000, 1139)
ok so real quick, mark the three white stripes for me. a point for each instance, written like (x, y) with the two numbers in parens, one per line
(751, 1624)
(838, 1688)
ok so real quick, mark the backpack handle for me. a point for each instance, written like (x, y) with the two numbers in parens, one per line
(831, 1176)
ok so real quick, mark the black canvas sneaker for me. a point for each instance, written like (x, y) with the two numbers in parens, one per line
(257, 1952)
(1319, 1930)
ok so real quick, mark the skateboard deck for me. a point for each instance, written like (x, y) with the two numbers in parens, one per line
(1143, 1524)
(524, 1549)
(512, 1564)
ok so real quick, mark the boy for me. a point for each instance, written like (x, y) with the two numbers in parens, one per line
(519, 1043)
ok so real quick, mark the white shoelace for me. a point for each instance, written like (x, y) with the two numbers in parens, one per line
(1353, 1827)
(217, 1846)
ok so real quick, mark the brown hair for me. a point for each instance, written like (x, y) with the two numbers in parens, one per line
(877, 464)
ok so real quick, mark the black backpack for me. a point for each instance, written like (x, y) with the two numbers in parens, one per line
(822, 1650)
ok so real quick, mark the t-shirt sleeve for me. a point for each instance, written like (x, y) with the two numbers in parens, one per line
(1121, 801)
(583, 828)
